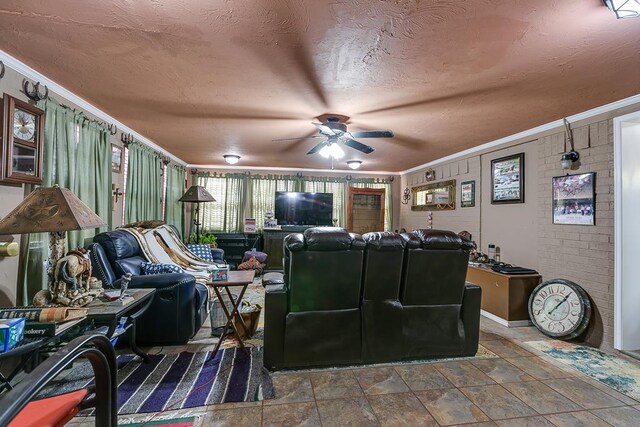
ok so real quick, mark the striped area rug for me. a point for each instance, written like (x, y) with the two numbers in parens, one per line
(180, 380)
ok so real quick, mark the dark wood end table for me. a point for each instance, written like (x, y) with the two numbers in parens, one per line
(109, 314)
(235, 278)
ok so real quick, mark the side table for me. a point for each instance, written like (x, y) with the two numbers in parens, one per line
(234, 278)
(109, 314)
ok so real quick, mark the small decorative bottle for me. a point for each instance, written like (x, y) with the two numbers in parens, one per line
(492, 251)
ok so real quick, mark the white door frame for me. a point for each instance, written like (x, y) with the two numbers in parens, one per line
(617, 191)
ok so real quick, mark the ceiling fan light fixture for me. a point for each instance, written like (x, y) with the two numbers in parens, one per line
(232, 159)
(624, 8)
(354, 164)
(336, 151)
(325, 152)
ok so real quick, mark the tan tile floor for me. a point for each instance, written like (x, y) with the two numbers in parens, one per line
(519, 388)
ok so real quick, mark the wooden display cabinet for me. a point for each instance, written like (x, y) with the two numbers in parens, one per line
(365, 210)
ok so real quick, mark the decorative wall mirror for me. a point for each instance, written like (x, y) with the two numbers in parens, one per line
(439, 196)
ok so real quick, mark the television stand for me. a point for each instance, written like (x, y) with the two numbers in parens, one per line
(295, 228)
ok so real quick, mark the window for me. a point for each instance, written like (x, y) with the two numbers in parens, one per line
(226, 213)
(263, 194)
(388, 200)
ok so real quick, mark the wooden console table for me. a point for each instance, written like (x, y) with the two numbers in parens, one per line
(504, 297)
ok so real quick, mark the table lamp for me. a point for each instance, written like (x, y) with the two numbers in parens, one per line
(197, 194)
(55, 210)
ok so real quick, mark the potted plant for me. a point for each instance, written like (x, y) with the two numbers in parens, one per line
(205, 239)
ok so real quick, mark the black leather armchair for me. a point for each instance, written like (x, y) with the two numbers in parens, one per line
(313, 318)
(441, 312)
(179, 306)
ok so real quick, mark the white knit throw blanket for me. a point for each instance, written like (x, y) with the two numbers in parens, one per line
(163, 245)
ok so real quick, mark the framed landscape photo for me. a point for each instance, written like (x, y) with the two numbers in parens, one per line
(507, 179)
(468, 194)
(574, 199)
(116, 158)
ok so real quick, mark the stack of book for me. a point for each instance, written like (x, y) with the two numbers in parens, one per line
(45, 321)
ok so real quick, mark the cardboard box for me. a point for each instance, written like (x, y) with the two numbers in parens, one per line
(11, 333)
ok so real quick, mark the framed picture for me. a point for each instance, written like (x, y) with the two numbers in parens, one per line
(507, 179)
(116, 158)
(430, 175)
(468, 194)
(438, 196)
(574, 199)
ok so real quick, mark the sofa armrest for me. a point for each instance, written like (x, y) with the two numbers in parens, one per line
(171, 318)
(159, 281)
(274, 325)
(471, 300)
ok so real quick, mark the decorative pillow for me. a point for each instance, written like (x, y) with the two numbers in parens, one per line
(252, 264)
(157, 268)
(201, 251)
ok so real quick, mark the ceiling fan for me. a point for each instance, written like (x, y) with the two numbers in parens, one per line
(336, 133)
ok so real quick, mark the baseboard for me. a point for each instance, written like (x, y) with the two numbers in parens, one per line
(507, 323)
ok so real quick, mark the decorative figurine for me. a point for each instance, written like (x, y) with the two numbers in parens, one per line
(124, 284)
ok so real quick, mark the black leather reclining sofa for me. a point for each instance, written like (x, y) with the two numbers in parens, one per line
(179, 305)
(347, 300)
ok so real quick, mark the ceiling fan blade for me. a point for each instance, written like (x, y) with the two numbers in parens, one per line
(317, 148)
(358, 146)
(324, 129)
(372, 134)
(298, 139)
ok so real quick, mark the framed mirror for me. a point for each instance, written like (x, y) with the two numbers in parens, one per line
(439, 196)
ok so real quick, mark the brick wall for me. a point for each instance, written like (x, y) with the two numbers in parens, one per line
(583, 254)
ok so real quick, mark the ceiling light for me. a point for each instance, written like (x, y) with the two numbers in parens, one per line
(354, 164)
(336, 151)
(232, 159)
(624, 8)
(325, 152)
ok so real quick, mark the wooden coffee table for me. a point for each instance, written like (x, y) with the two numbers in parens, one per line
(235, 278)
(109, 314)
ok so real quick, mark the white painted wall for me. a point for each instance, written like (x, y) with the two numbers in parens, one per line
(627, 336)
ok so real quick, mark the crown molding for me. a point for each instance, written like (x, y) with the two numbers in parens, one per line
(85, 105)
(626, 102)
(271, 168)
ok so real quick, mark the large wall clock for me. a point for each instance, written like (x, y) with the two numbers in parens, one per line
(22, 139)
(560, 309)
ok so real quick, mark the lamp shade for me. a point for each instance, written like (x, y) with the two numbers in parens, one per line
(197, 194)
(50, 209)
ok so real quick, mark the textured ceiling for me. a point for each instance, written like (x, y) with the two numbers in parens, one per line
(204, 78)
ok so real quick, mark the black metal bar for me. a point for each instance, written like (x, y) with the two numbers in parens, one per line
(95, 348)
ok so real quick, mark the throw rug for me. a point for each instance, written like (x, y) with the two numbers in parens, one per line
(606, 368)
(179, 380)
(173, 422)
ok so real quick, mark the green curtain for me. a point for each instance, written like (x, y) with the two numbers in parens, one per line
(143, 195)
(174, 209)
(330, 185)
(227, 212)
(388, 196)
(263, 191)
(76, 155)
(92, 181)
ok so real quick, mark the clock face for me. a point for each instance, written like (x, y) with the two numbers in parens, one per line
(560, 308)
(24, 125)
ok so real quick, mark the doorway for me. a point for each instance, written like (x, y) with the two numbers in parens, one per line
(627, 232)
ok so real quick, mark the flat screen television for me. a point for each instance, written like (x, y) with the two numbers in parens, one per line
(304, 208)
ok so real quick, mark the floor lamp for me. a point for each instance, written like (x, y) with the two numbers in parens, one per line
(55, 210)
(197, 194)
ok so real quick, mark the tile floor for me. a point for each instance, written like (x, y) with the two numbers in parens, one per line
(518, 388)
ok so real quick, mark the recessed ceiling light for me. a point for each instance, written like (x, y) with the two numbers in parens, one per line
(354, 164)
(232, 159)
